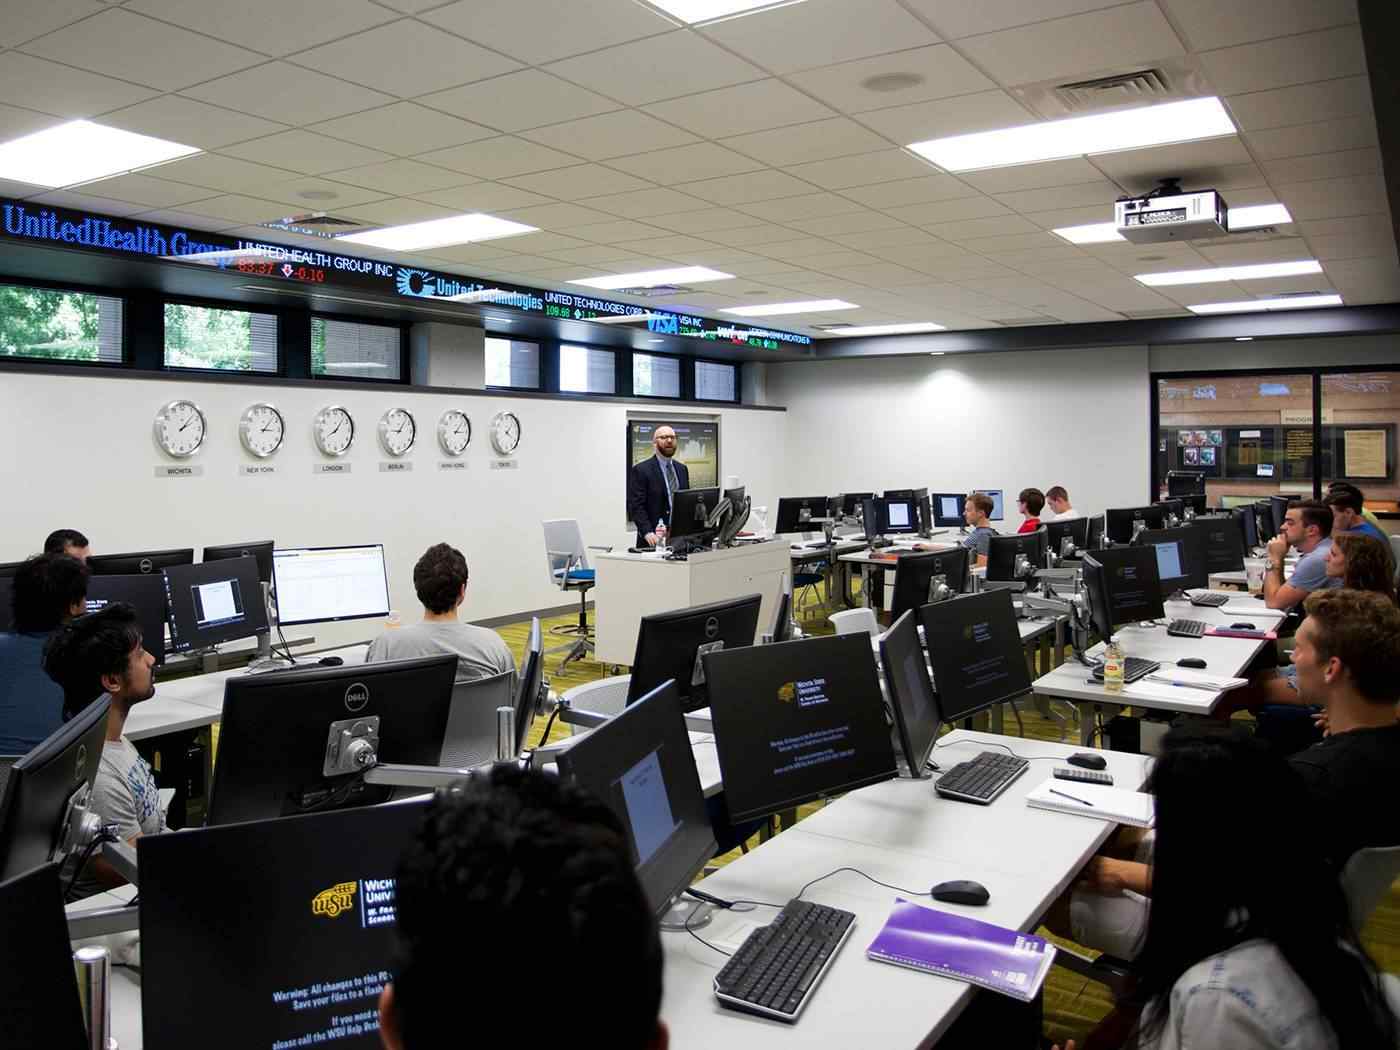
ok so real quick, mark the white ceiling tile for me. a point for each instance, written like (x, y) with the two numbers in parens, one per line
(1328, 198)
(940, 70)
(305, 151)
(218, 172)
(830, 262)
(1033, 176)
(679, 63)
(820, 32)
(958, 18)
(538, 31)
(807, 206)
(862, 170)
(288, 93)
(617, 231)
(15, 123)
(675, 245)
(882, 273)
(754, 236)
(483, 196)
(1075, 46)
(819, 140)
(293, 192)
(1099, 194)
(397, 212)
(555, 216)
(896, 239)
(118, 43)
(401, 177)
(1329, 136)
(758, 267)
(237, 209)
(1233, 178)
(270, 26)
(1302, 103)
(971, 229)
(1323, 55)
(643, 204)
(48, 87)
(526, 99)
(1139, 170)
(403, 129)
(703, 160)
(193, 123)
(1208, 24)
(611, 135)
(740, 109)
(888, 195)
(1058, 217)
(486, 252)
(983, 111)
(1366, 280)
(583, 180)
(949, 211)
(743, 189)
(528, 264)
(541, 243)
(406, 58)
(1345, 224)
(151, 192)
(1222, 252)
(78, 201)
(1324, 166)
(1018, 242)
(590, 255)
(27, 19)
(846, 222)
(499, 157)
(798, 251)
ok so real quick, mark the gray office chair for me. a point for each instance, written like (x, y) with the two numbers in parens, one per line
(471, 721)
(569, 571)
(1367, 878)
(6, 761)
(607, 696)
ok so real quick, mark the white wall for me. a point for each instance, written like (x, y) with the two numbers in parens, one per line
(82, 455)
(1078, 418)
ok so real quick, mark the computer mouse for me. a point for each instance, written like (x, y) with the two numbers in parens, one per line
(1242, 626)
(1191, 661)
(961, 891)
(330, 661)
(1087, 760)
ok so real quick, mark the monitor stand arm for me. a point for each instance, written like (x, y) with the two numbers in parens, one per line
(424, 778)
(265, 660)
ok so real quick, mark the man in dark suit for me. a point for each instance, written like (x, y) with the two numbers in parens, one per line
(650, 484)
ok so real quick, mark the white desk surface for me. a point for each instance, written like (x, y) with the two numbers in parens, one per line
(207, 690)
(872, 557)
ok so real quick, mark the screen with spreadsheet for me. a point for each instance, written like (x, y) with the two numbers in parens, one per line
(320, 584)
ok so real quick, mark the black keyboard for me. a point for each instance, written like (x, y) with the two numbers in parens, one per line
(980, 779)
(1187, 628)
(1210, 599)
(776, 968)
(1134, 667)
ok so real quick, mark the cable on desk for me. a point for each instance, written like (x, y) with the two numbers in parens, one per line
(544, 737)
(702, 940)
(1019, 724)
(92, 847)
(286, 649)
(1013, 754)
(863, 875)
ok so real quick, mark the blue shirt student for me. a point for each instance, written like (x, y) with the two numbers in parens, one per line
(1310, 574)
(979, 540)
(31, 703)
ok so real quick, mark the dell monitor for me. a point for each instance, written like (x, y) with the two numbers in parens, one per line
(527, 696)
(998, 508)
(1076, 530)
(975, 650)
(1195, 500)
(925, 507)
(1119, 521)
(1279, 506)
(797, 722)
(1248, 526)
(138, 562)
(1218, 541)
(670, 646)
(262, 550)
(145, 594)
(34, 806)
(891, 516)
(324, 584)
(1172, 507)
(851, 502)
(912, 701)
(310, 947)
(1122, 586)
(690, 515)
(1002, 552)
(917, 578)
(948, 509)
(1096, 526)
(1181, 563)
(800, 514)
(284, 741)
(640, 764)
(1269, 526)
(213, 602)
(1185, 483)
(781, 628)
(40, 1007)
(9, 568)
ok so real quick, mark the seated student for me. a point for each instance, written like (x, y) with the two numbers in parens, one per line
(1030, 502)
(1338, 486)
(516, 859)
(48, 589)
(102, 653)
(1347, 504)
(440, 578)
(977, 509)
(1307, 527)
(1057, 499)
(70, 542)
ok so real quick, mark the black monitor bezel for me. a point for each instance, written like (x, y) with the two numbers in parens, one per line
(383, 561)
(151, 620)
(255, 623)
(1077, 529)
(637, 686)
(531, 681)
(941, 522)
(1104, 560)
(1015, 543)
(685, 526)
(915, 755)
(102, 564)
(908, 563)
(41, 988)
(1188, 541)
(938, 654)
(262, 550)
(785, 523)
(1153, 514)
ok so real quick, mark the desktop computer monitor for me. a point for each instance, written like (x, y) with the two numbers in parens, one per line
(1096, 525)
(145, 594)
(925, 507)
(9, 568)
(1181, 563)
(262, 550)
(311, 944)
(976, 654)
(279, 731)
(1264, 520)
(796, 513)
(690, 511)
(797, 722)
(998, 508)
(851, 502)
(892, 516)
(670, 646)
(640, 764)
(1195, 500)
(324, 584)
(138, 562)
(1279, 506)
(1002, 552)
(1076, 530)
(1121, 585)
(948, 509)
(1248, 526)
(40, 786)
(1219, 543)
(40, 1006)
(1170, 507)
(916, 574)
(213, 602)
(781, 628)
(527, 696)
(1118, 521)
(7, 604)
(912, 701)
(1185, 483)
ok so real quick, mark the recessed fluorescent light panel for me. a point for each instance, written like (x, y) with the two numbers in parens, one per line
(652, 278)
(1291, 302)
(1249, 217)
(890, 329)
(436, 233)
(808, 306)
(698, 12)
(81, 151)
(1230, 273)
(1197, 118)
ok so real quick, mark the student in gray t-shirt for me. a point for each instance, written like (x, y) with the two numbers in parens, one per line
(440, 578)
(977, 513)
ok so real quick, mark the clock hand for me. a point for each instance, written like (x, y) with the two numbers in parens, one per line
(337, 428)
(187, 423)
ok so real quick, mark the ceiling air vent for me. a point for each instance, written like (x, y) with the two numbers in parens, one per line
(1169, 80)
(315, 224)
(1143, 86)
(1150, 315)
(659, 291)
(1019, 322)
(833, 326)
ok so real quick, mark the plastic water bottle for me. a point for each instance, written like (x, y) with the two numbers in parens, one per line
(660, 531)
(1113, 667)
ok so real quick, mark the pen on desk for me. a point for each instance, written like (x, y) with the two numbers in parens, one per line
(1072, 798)
(1183, 685)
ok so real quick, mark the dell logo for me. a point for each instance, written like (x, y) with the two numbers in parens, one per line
(712, 627)
(146, 565)
(81, 763)
(356, 697)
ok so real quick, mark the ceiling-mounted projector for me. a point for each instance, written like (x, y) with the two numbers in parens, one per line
(1168, 214)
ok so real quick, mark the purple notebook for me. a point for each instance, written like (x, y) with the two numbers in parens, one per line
(988, 956)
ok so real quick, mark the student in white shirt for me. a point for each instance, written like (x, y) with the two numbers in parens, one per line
(1057, 506)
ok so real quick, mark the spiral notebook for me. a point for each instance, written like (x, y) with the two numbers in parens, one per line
(1094, 800)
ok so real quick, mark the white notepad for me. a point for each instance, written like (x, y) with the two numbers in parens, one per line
(1105, 803)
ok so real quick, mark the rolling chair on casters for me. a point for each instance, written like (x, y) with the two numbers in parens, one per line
(569, 571)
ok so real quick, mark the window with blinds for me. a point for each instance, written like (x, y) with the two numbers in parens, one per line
(512, 363)
(352, 350)
(223, 340)
(58, 325)
(656, 376)
(716, 382)
(584, 370)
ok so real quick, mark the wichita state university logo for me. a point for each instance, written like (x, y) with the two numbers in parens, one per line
(332, 902)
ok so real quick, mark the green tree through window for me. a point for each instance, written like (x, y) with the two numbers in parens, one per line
(59, 325)
(228, 340)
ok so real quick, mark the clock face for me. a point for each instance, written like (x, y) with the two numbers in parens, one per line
(505, 433)
(397, 431)
(261, 430)
(180, 429)
(334, 430)
(454, 432)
